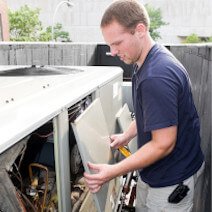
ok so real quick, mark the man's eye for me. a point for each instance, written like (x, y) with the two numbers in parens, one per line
(118, 43)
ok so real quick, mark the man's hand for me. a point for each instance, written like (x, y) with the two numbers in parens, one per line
(102, 174)
(118, 140)
(123, 139)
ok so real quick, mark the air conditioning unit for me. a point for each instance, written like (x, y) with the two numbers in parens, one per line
(53, 119)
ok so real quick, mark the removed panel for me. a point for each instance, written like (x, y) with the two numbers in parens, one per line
(92, 138)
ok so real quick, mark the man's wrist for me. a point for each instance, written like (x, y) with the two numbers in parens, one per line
(127, 136)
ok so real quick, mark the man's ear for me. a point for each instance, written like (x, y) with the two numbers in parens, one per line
(141, 29)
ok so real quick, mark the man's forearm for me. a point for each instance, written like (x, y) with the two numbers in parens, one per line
(162, 144)
(131, 131)
(142, 158)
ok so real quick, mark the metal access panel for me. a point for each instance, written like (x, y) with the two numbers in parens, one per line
(92, 136)
(110, 95)
(124, 120)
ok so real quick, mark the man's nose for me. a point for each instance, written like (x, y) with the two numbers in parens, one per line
(113, 51)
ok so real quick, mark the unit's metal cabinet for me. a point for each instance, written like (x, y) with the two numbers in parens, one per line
(31, 103)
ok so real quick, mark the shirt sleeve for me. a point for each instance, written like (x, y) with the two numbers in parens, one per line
(160, 103)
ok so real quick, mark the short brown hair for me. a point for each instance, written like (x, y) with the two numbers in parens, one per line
(128, 13)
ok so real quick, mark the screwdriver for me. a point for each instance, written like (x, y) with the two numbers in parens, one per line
(124, 150)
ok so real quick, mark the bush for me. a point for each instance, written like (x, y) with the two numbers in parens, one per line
(26, 26)
(209, 39)
(193, 38)
(59, 35)
(155, 21)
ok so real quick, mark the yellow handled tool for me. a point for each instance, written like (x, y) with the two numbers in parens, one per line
(124, 151)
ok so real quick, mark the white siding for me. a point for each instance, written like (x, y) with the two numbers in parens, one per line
(82, 21)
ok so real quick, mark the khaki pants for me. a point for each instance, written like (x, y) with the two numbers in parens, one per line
(150, 199)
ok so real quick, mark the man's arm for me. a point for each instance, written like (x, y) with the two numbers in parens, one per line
(162, 143)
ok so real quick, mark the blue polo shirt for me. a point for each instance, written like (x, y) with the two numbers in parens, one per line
(162, 98)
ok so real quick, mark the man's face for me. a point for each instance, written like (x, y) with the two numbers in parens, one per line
(125, 44)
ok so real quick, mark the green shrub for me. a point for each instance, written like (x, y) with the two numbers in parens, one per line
(26, 26)
(193, 38)
(155, 21)
(209, 39)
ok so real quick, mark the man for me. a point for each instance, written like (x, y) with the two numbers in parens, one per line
(166, 122)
